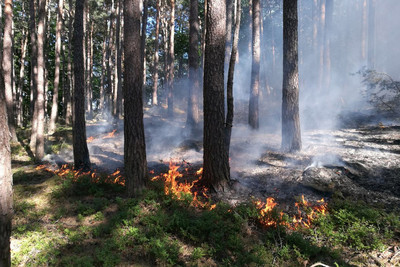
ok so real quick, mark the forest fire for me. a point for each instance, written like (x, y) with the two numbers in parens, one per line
(90, 139)
(306, 213)
(69, 172)
(178, 189)
(110, 134)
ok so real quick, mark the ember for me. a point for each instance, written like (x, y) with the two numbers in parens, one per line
(306, 213)
(90, 139)
(179, 189)
(110, 135)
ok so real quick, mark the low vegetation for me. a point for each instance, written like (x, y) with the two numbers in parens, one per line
(63, 223)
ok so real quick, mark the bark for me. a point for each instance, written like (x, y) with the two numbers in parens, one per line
(371, 34)
(109, 61)
(32, 29)
(6, 197)
(103, 77)
(228, 41)
(54, 107)
(70, 74)
(89, 97)
(8, 66)
(255, 68)
(118, 74)
(156, 57)
(249, 44)
(216, 161)
(40, 101)
(171, 60)
(192, 120)
(231, 72)
(143, 39)
(135, 147)
(80, 149)
(291, 136)
(20, 84)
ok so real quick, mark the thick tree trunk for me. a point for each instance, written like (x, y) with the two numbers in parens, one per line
(156, 57)
(80, 149)
(7, 66)
(171, 60)
(216, 161)
(135, 147)
(291, 136)
(231, 72)
(54, 107)
(255, 68)
(192, 120)
(6, 198)
(40, 101)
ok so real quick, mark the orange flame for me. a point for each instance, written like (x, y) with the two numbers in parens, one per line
(304, 218)
(110, 135)
(90, 139)
(172, 186)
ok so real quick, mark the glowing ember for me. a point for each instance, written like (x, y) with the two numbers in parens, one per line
(68, 172)
(110, 135)
(179, 189)
(90, 139)
(306, 213)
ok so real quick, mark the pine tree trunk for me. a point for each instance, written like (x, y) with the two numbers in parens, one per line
(291, 136)
(54, 107)
(171, 60)
(156, 57)
(216, 161)
(192, 120)
(103, 77)
(20, 84)
(6, 197)
(255, 68)
(143, 39)
(228, 41)
(109, 63)
(32, 29)
(135, 147)
(40, 101)
(80, 149)
(70, 74)
(7, 67)
(118, 74)
(231, 72)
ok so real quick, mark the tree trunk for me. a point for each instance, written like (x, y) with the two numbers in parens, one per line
(255, 68)
(7, 67)
(216, 161)
(70, 74)
(103, 77)
(192, 120)
(40, 97)
(156, 57)
(249, 40)
(291, 136)
(364, 30)
(54, 107)
(89, 97)
(135, 147)
(228, 41)
(143, 39)
(81, 152)
(171, 60)
(109, 62)
(6, 197)
(118, 74)
(20, 84)
(231, 72)
(371, 34)
(32, 29)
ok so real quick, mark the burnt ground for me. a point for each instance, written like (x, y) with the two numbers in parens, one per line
(358, 163)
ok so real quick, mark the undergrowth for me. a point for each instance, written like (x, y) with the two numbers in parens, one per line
(63, 223)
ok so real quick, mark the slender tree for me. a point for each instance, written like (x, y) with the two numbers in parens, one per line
(80, 149)
(118, 74)
(291, 136)
(216, 161)
(255, 68)
(229, 92)
(171, 60)
(134, 140)
(6, 197)
(8, 66)
(192, 120)
(156, 56)
(228, 41)
(54, 107)
(70, 89)
(143, 38)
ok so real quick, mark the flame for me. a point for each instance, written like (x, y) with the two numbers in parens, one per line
(178, 189)
(90, 139)
(306, 213)
(110, 135)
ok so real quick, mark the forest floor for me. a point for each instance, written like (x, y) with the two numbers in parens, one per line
(74, 222)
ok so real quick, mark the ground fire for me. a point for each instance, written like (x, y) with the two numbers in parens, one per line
(111, 134)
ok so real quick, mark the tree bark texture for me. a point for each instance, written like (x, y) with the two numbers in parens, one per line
(228, 41)
(80, 149)
(231, 72)
(156, 56)
(7, 66)
(134, 140)
(171, 60)
(54, 107)
(19, 104)
(6, 198)
(192, 119)
(34, 77)
(216, 161)
(291, 135)
(255, 68)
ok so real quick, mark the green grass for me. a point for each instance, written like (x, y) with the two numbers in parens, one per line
(64, 223)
